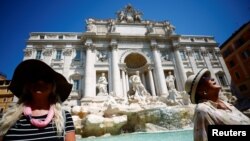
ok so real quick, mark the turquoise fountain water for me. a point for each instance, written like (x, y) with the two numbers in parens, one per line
(177, 135)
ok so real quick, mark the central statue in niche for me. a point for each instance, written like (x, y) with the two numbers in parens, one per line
(140, 92)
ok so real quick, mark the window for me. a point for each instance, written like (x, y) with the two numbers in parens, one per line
(41, 36)
(243, 88)
(237, 75)
(76, 84)
(211, 55)
(58, 54)
(60, 37)
(231, 63)
(238, 43)
(222, 79)
(227, 52)
(197, 55)
(183, 56)
(79, 37)
(78, 55)
(38, 54)
(245, 54)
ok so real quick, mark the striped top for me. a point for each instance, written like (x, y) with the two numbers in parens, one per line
(23, 130)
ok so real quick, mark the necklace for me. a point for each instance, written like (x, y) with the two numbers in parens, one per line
(36, 122)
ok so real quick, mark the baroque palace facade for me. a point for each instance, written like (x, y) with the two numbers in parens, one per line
(119, 47)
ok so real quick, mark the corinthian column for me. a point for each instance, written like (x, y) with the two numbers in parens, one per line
(89, 89)
(124, 84)
(180, 67)
(163, 91)
(116, 81)
(151, 82)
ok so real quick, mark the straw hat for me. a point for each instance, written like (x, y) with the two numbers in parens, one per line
(193, 81)
(32, 70)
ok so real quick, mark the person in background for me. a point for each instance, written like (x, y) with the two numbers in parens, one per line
(38, 115)
(210, 110)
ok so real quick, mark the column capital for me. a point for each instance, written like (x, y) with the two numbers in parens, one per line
(113, 44)
(27, 52)
(154, 44)
(217, 52)
(89, 44)
(67, 52)
(203, 51)
(150, 67)
(47, 52)
(154, 47)
(123, 67)
(176, 46)
(188, 53)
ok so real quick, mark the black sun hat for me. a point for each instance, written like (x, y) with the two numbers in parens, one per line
(32, 70)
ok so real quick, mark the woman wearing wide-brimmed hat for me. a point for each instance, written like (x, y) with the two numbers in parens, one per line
(210, 109)
(38, 114)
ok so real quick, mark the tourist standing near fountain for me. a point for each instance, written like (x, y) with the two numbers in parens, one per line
(38, 114)
(210, 110)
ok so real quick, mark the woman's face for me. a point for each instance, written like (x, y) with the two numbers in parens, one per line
(208, 89)
(41, 87)
(210, 83)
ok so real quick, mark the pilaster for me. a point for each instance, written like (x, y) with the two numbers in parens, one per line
(89, 89)
(115, 69)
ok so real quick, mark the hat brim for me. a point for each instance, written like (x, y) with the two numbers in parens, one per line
(195, 81)
(29, 70)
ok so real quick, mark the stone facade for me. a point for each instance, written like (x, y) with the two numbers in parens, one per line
(120, 47)
(6, 97)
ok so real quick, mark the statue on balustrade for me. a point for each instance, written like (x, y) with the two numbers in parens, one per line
(91, 27)
(111, 26)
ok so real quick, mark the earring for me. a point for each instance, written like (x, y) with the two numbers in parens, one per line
(205, 93)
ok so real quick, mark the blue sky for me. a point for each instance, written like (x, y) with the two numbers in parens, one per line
(218, 18)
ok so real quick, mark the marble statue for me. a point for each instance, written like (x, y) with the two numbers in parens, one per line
(138, 87)
(170, 81)
(149, 26)
(102, 56)
(111, 26)
(165, 57)
(169, 27)
(137, 16)
(129, 15)
(121, 16)
(91, 27)
(102, 85)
